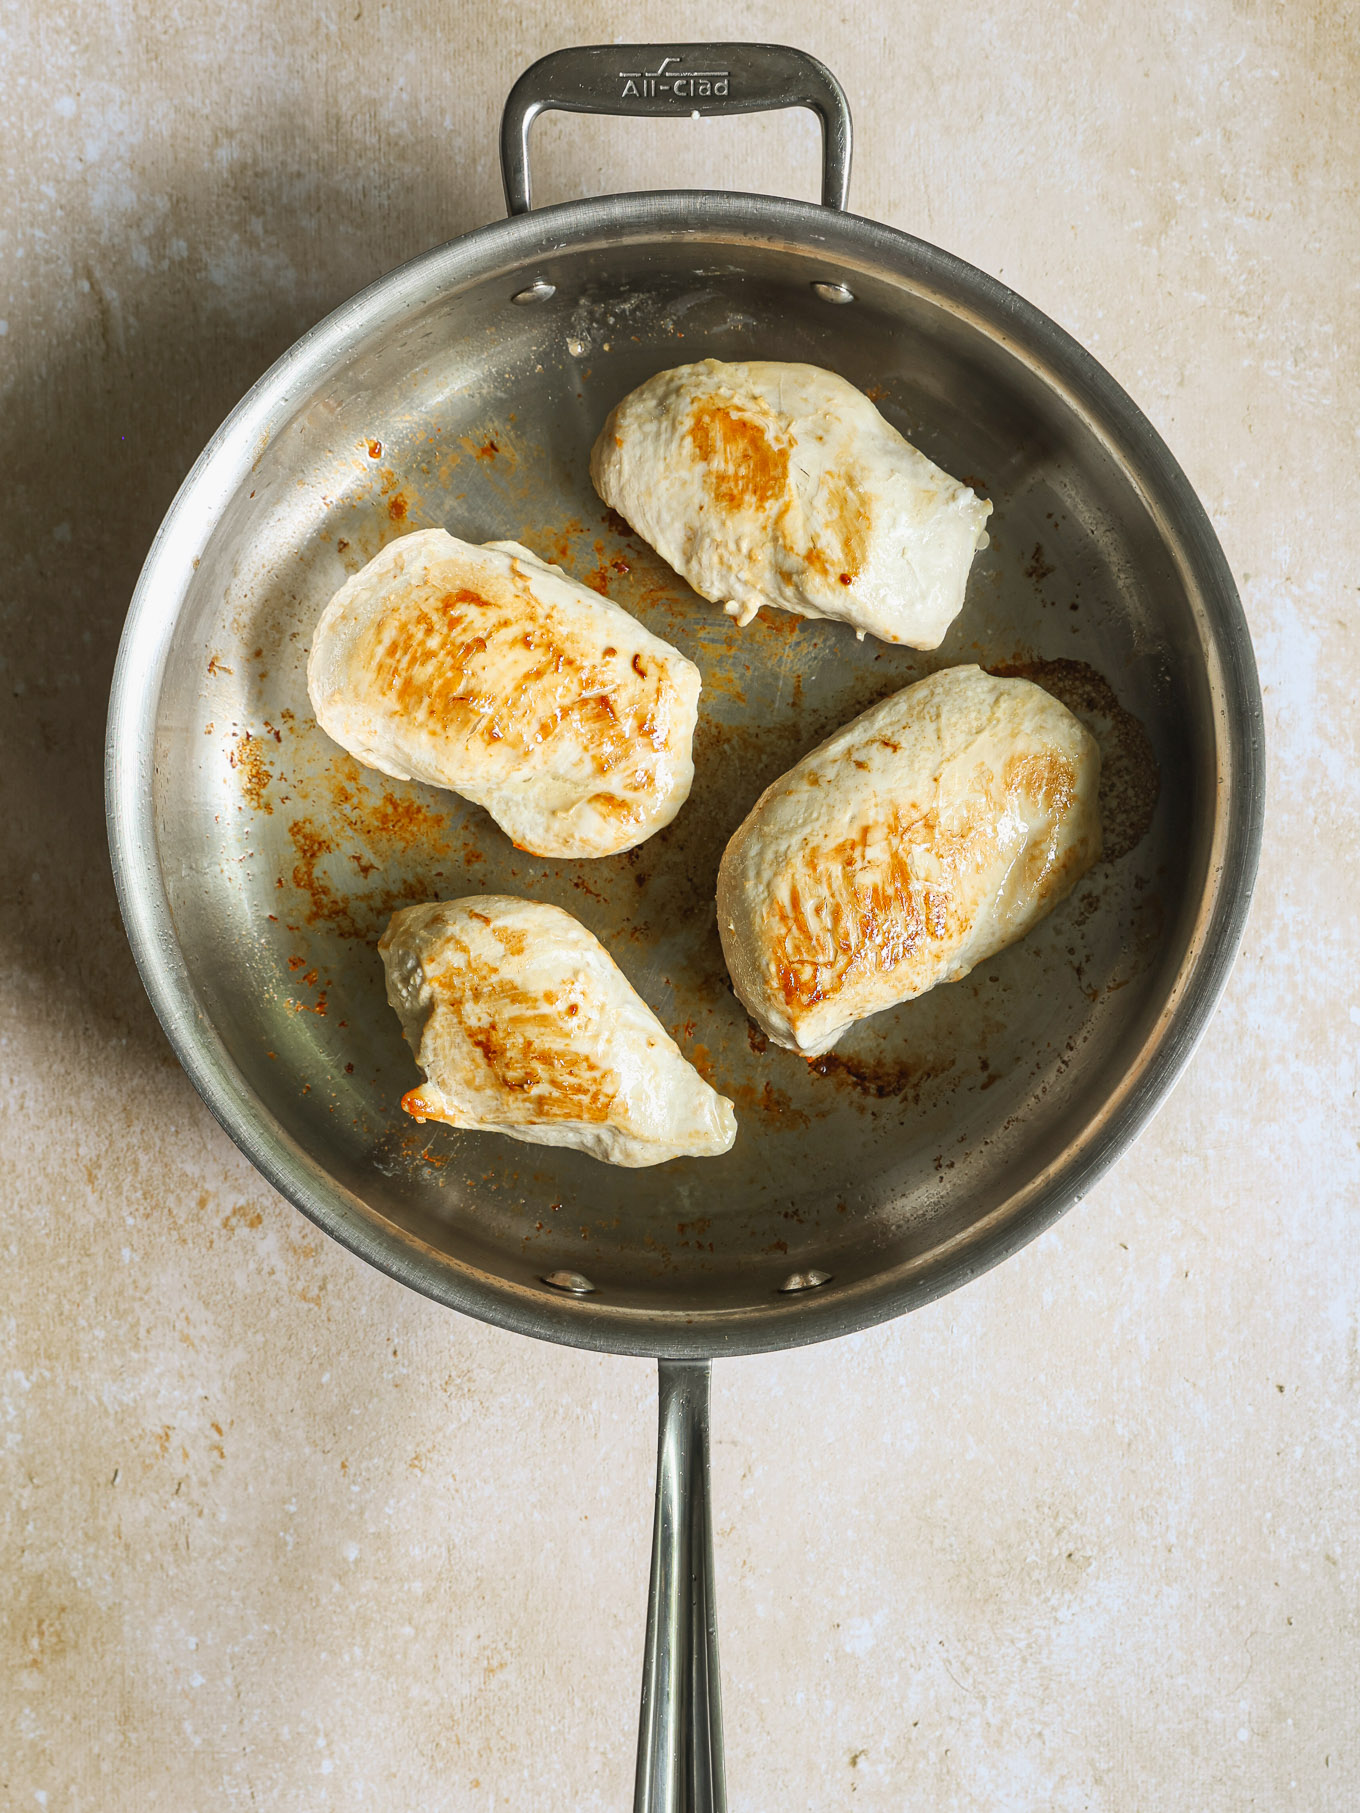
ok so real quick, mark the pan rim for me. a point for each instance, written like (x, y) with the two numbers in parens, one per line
(507, 247)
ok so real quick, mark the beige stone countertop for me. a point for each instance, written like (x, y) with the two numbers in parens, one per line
(278, 1534)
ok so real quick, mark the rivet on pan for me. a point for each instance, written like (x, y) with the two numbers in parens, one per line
(805, 1281)
(575, 1282)
(538, 291)
(829, 292)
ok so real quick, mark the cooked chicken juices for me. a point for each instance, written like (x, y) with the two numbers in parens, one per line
(923, 837)
(489, 672)
(767, 483)
(524, 1025)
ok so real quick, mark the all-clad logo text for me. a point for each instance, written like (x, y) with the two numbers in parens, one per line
(666, 78)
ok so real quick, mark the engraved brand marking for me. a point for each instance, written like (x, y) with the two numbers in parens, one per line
(681, 84)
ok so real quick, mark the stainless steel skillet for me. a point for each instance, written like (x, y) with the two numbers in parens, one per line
(256, 864)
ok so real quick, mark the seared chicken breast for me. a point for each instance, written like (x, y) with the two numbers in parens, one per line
(524, 1025)
(767, 483)
(928, 834)
(489, 672)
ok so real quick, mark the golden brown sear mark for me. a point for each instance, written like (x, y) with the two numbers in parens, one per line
(844, 521)
(523, 1041)
(609, 805)
(859, 905)
(1130, 780)
(746, 468)
(503, 669)
(1043, 775)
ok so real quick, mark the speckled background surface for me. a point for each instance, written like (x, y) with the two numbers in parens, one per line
(277, 1534)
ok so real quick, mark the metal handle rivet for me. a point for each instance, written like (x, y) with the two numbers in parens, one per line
(831, 292)
(805, 1281)
(538, 291)
(575, 1282)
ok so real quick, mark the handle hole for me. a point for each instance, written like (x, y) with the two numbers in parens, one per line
(574, 155)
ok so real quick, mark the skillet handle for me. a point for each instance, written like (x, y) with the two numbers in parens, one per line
(680, 1747)
(677, 80)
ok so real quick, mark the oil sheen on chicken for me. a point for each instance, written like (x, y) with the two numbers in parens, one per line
(489, 672)
(777, 484)
(923, 837)
(525, 1025)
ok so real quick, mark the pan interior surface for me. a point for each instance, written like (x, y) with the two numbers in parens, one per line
(919, 1150)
